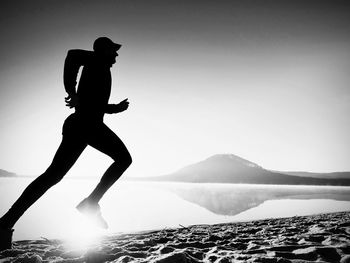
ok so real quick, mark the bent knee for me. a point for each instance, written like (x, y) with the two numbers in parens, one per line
(126, 160)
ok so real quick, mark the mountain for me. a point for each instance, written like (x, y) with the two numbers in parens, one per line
(229, 168)
(4, 173)
(334, 175)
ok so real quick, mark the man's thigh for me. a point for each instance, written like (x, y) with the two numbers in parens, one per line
(105, 140)
(67, 154)
(71, 147)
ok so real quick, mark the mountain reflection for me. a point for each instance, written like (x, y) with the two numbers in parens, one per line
(232, 199)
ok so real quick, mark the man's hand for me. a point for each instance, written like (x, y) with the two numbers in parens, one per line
(123, 105)
(72, 101)
(116, 108)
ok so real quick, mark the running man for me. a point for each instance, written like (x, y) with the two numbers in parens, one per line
(84, 127)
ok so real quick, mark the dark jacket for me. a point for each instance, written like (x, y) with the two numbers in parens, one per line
(94, 86)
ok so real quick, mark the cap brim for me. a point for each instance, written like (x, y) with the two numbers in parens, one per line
(116, 46)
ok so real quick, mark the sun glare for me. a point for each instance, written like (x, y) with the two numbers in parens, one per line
(84, 235)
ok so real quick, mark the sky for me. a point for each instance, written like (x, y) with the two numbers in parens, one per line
(265, 80)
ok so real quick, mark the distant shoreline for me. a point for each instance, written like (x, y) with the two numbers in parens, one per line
(232, 169)
(146, 180)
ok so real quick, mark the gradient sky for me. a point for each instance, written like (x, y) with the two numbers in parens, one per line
(265, 80)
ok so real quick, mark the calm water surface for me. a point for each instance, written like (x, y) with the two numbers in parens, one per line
(135, 206)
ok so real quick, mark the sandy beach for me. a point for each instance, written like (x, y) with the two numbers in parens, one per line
(317, 238)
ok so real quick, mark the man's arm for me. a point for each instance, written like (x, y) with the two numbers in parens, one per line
(74, 60)
(115, 108)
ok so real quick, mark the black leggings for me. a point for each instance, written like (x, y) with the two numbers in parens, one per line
(77, 134)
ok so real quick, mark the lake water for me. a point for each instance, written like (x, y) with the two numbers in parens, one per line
(135, 206)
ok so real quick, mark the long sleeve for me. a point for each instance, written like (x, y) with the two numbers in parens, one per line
(74, 60)
(111, 108)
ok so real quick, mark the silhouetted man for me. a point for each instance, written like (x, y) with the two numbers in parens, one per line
(82, 128)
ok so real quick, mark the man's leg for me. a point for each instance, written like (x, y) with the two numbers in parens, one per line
(66, 155)
(106, 141)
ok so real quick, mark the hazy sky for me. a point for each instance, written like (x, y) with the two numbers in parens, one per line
(265, 80)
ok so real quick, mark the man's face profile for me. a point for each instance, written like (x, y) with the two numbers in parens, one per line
(109, 55)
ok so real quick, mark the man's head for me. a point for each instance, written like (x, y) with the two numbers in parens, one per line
(107, 49)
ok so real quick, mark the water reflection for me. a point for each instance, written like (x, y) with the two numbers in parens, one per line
(136, 206)
(223, 199)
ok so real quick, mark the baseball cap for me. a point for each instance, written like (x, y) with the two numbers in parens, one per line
(103, 43)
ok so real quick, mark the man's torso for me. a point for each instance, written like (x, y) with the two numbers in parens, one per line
(94, 89)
